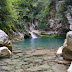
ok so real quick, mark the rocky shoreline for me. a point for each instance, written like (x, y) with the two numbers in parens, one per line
(34, 60)
(17, 39)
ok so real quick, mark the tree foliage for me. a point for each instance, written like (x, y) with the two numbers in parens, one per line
(8, 15)
(15, 13)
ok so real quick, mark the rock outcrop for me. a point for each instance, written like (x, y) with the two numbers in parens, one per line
(67, 50)
(16, 36)
(5, 44)
(59, 51)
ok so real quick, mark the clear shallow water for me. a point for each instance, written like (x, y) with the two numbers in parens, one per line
(27, 61)
(39, 42)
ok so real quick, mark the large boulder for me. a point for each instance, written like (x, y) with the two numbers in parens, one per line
(70, 27)
(5, 52)
(60, 49)
(67, 50)
(4, 40)
(3, 37)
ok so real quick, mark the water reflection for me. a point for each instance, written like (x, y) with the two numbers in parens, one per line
(33, 42)
(39, 42)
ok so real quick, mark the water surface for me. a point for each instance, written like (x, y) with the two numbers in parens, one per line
(39, 42)
(32, 60)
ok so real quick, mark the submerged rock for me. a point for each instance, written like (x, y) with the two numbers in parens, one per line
(67, 50)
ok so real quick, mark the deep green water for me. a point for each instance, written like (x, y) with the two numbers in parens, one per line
(39, 42)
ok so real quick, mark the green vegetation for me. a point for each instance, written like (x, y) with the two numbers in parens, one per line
(8, 15)
(54, 36)
(14, 14)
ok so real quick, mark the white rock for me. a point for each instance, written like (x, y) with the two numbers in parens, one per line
(70, 27)
(69, 38)
(65, 43)
(3, 37)
(70, 21)
(68, 16)
(20, 34)
(51, 23)
(59, 51)
(4, 51)
(70, 68)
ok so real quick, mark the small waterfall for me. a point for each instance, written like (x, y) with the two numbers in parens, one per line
(33, 35)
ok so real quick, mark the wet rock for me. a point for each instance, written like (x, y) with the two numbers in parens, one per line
(15, 57)
(63, 62)
(36, 69)
(58, 68)
(6, 67)
(40, 52)
(19, 54)
(19, 70)
(17, 51)
(3, 64)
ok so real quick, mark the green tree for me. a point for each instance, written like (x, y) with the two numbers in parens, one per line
(8, 15)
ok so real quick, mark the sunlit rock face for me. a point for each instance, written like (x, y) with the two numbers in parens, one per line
(60, 49)
(67, 50)
(4, 40)
(5, 44)
(70, 27)
(3, 37)
(69, 20)
(51, 23)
